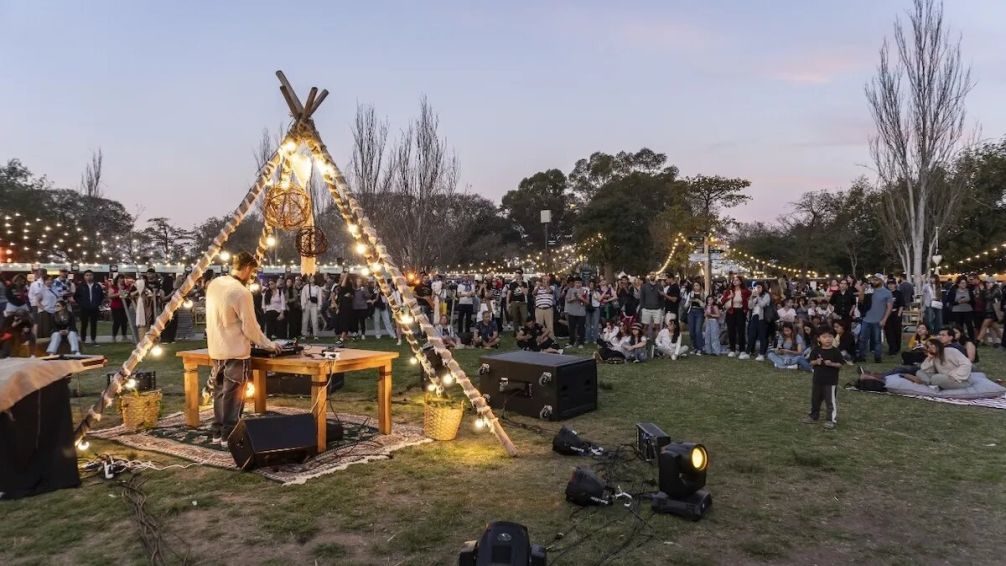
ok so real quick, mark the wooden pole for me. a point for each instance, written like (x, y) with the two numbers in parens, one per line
(143, 347)
(351, 211)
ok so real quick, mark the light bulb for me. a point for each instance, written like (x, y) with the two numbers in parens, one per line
(361, 248)
(289, 146)
(225, 255)
(407, 319)
(448, 379)
(431, 387)
(414, 360)
(83, 444)
(270, 241)
(157, 350)
(480, 424)
(364, 272)
(353, 229)
(187, 303)
(130, 383)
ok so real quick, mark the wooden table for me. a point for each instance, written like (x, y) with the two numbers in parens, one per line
(309, 363)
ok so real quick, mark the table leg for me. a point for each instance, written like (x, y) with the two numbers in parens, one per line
(319, 404)
(192, 394)
(258, 380)
(384, 399)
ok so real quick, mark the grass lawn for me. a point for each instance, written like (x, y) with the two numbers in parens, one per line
(901, 481)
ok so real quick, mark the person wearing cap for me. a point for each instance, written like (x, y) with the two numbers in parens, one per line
(875, 318)
(231, 328)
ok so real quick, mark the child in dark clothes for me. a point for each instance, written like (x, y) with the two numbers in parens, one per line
(826, 361)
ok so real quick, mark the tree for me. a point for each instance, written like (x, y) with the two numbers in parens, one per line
(917, 103)
(90, 179)
(982, 217)
(164, 243)
(589, 175)
(545, 190)
(709, 196)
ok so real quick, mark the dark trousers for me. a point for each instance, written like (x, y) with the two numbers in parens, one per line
(229, 378)
(170, 330)
(88, 319)
(757, 331)
(118, 323)
(820, 392)
(465, 317)
(966, 321)
(274, 328)
(735, 330)
(577, 329)
(293, 320)
(892, 333)
(360, 321)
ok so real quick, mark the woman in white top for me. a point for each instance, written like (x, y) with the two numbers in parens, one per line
(787, 313)
(274, 307)
(757, 327)
(946, 368)
(669, 341)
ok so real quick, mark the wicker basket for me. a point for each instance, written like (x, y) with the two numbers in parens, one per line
(442, 419)
(140, 410)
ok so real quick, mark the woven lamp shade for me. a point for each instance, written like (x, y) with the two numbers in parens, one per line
(287, 208)
(311, 242)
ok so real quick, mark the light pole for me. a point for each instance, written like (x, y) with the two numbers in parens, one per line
(546, 218)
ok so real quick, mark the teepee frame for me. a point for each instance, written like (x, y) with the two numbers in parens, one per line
(407, 312)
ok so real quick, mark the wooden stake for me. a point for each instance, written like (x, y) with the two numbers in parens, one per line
(297, 107)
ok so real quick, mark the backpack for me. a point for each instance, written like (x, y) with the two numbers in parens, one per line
(869, 384)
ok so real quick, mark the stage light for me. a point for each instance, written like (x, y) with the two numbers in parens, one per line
(361, 248)
(157, 350)
(225, 256)
(270, 241)
(681, 479)
(503, 544)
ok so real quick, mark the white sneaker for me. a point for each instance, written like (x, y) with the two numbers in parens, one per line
(743, 356)
(223, 444)
(731, 354)
(698, 352)
(674, 358)
(794, 366)
(760, 358)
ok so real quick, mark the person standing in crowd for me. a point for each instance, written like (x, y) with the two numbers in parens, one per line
(892, 329)
(361, 307)
(651, 299)
(46, 307)
(424, 296)
(310, 305)
(63, 286)
(544, 303)
(962, 300)
(576, 300)
(696, 304)
(465, 304)
(343, 301)
(758, 302)
(89, 297)
(932, 300)
(907, 291)
(382, 317)
(593, 308)
(294, 310)
(672, 299)
(991, 298)
(35, 291)
(517, 300)
(118, 292)
(844, 301)
(609, 300)
(274, 307)
(711, 331)
(64, 326)
(826, 362)
(3, 295)
(735, 302)
(875, 318)
(231, 329)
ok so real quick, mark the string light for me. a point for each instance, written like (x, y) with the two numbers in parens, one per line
(361, 248)
(480, 424)
(187, 303)
(270, 241)
(131, 383)
(225, 256)
(157, 350)
(83, 445)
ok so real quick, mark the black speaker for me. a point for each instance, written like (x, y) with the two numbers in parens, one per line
(36, 444)
(271, 439)
(277, 383)
(535, 384)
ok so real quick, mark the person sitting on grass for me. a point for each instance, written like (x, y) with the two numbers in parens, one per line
(916, 346)
(668, 343)
(446, 332)
(610, 347)
(844, 340)
(17, 327)
(826, 361)
(485, 335)
(526, 333)
(944, 368)
(535, 337)
(635, 350)
(967, 345)
(64, 326)
(789, 350)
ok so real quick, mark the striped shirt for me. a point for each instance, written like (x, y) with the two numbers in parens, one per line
(543, 298)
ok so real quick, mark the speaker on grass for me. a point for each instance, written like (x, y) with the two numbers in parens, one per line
(271, 439)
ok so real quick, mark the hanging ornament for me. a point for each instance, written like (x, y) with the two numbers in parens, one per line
(287, 208)
(311, 241)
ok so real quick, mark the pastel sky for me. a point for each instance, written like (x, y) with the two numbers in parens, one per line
(177, 93)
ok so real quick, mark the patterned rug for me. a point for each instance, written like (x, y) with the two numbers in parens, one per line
(992, 403)
(361, 443)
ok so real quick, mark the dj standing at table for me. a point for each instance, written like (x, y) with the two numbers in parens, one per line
(231, 328)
